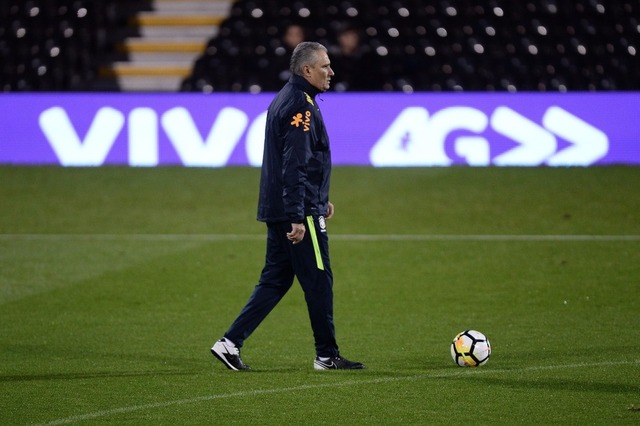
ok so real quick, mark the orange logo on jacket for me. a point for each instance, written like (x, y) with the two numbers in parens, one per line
(306, 122)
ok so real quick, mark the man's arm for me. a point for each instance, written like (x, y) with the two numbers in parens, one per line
(295, 154)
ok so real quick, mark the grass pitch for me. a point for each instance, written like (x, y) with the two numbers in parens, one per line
(114, 283)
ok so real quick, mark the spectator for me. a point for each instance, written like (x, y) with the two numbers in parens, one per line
(349, 57)
(293, 35)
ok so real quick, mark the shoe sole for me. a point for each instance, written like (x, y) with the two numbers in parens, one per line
(322, 367)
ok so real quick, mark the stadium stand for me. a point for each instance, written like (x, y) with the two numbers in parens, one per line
(402, 45)
(58, 45)
(170, 37)
(416, 45)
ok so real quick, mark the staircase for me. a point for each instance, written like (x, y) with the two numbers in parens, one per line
(173, 35)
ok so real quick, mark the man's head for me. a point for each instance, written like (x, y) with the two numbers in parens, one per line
(311, 61)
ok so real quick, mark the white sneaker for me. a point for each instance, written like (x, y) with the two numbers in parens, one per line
(229, 355)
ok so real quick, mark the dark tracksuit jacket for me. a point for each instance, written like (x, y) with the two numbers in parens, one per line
(296, 165)
(294, 188)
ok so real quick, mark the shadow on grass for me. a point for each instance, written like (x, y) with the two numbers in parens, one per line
(91, 375)
(561, 385)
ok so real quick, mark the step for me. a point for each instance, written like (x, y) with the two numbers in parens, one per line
(162, 57)
(163, 45)
(173, 31)
(149, 84)
(221, 7)
(159, 69)
(154, 19)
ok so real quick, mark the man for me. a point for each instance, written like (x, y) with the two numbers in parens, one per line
(294, 203)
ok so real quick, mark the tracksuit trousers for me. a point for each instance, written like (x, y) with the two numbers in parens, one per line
(309, 262)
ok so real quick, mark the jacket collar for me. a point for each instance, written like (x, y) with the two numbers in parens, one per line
(304, 85)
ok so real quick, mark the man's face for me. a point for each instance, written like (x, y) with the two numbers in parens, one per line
(319, 72)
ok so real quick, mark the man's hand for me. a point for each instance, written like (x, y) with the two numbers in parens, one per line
(297, 232)
(330, 211)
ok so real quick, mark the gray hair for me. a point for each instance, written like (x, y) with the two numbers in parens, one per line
(304, 54)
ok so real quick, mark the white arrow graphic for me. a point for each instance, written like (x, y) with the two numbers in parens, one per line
(589, 143)
(536, 144)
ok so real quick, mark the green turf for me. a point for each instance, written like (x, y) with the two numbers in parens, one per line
(114, 283)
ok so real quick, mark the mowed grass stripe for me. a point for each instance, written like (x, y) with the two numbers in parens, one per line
(244, 394)
(339, 237)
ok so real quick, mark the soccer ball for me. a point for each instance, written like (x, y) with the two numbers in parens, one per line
(470, 349)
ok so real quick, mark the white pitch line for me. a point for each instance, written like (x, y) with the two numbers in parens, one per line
(243, 394)
(338, 237)
(131, 237)
(482, 237)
